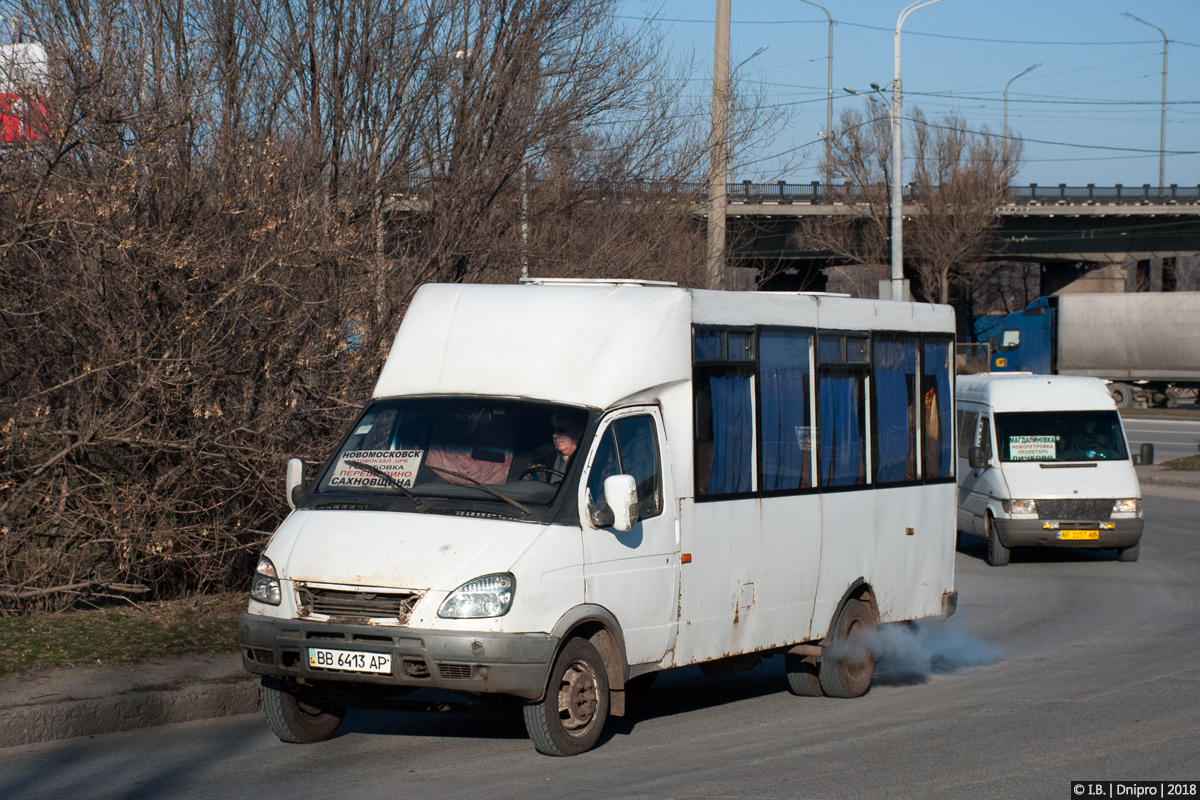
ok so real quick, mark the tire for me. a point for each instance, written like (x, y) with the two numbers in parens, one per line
(570, 718)
(1129, 554)
(298, 714)
(842, 677)
(1122, 394)
(997, 554)
(803, 675)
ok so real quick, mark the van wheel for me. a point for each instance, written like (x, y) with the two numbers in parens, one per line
(298, 714)
(803, 675)
(997, 554)
(1129, 554)
(849, 663)
(569, 719)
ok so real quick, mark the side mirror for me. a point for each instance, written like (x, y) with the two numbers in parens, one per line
(1146, 454)
(295, 481)
(976, 458)
(621, 493)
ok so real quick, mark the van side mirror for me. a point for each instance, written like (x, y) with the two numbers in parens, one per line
(1146, 454)
(976, 458)
(295, 481)
(621, 493)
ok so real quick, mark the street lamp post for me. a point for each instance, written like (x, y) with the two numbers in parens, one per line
(718, 150)
(829, 99)
(1031, 68)
(1162, 123)
(898, 288)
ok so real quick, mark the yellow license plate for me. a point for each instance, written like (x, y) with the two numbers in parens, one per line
(1074, 535)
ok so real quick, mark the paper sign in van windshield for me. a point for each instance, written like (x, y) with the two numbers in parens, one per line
(399, 464)
(1031, 448)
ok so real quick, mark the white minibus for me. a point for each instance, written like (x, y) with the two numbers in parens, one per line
(1043, 463)
(560, 489)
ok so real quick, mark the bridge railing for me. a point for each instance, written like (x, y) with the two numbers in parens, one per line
(814, 193)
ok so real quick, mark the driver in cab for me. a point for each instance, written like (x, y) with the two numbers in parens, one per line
(549, 462)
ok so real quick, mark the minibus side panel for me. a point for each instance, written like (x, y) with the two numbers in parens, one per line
(848, 541)
(914, 561)
(752, 576)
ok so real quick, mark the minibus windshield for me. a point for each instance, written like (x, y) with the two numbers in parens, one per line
(1048, 436)
(511, 452)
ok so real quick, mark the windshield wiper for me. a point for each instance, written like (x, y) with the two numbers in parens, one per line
(377, 471)
(481, 485)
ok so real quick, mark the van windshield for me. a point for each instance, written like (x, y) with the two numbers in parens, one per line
(405, 451)
(1060, 436)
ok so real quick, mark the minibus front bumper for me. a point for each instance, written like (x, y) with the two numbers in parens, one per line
(1064, 533)
(514, 664)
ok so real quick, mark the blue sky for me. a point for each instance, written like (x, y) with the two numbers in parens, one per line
(1090, 113)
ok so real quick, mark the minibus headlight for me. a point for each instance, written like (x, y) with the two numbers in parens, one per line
(1128, 505)
(1020, 506)
(265, 588)
(487, 596)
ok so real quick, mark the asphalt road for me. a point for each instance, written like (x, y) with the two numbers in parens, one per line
(1061, 666)
(1172, 437)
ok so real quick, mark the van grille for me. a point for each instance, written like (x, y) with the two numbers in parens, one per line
(356, 605)
(1084, 509)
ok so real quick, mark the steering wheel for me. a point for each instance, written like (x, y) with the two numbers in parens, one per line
(553, 473)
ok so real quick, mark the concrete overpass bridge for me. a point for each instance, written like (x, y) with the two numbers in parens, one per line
(1104, 232)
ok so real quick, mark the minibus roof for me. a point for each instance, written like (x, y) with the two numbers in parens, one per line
(1028, 392)
(594, 343)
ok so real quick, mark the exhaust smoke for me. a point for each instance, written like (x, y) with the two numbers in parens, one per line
(907, 652)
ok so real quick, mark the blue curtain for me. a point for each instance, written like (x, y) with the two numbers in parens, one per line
(895, 372)
(783, 382)
(841, 453)
(733, 432)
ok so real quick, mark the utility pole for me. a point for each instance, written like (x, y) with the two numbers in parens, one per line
(829, 98)
(1162, 123)
(718, 143)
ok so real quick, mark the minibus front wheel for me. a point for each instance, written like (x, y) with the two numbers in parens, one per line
(298, 714)
(568, 720)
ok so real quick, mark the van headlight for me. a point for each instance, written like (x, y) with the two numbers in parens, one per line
(1020, 506)
(487, 596)
(1128, 505)
(265, 588)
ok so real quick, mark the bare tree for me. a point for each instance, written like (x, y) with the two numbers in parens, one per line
(203, 260)
(958, 181)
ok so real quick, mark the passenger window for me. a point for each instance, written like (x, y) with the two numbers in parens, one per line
(785, 377)
(629, 447)
(937, 412)
(895, 383)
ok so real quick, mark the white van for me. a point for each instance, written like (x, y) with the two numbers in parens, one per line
(1043, 462)
(560, 488)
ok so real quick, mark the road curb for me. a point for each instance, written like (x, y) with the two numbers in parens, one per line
(72, 718)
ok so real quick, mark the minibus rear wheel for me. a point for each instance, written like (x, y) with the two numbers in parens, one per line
(298, 714)
(569, 719)
(803, 675)
(849, 673)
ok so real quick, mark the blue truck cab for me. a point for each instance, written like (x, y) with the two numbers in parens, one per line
(1026, 341)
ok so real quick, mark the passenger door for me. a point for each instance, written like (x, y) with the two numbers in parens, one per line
(635, 573)
(977, 486)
